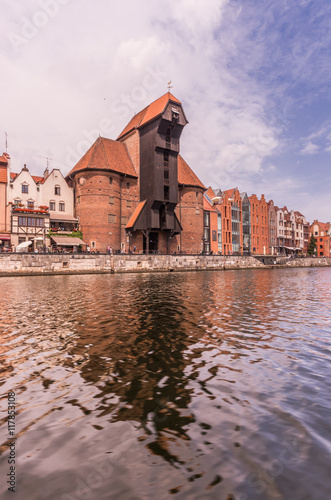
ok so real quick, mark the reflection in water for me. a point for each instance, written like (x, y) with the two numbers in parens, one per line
(189, 385)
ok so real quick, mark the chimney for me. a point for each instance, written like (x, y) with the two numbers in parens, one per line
(46, 173)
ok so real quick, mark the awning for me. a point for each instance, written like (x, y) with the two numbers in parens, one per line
(67, 242)
(62, 218)
(5, 237)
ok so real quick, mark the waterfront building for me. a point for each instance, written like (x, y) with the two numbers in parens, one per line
(137, 193)
(272, 228)
(259, 225)
(5, 233)
(36, 205)
(291, 231)
(189, 210)
(212, 235)
(246, 223)
(322, 232)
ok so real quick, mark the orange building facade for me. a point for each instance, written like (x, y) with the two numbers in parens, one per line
(259, 225)
(322, 232)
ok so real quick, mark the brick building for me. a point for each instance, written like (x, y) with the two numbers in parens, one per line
(212, 235)
(259, 225)
(272, 228)
(137, 192)
(322, 232)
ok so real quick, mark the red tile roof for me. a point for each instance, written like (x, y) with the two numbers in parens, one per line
(106, 154)
(134, 217)
(3, 174)
(36, 178)
(230, 192)
(186, 176)
(149, 113)
(3, 159)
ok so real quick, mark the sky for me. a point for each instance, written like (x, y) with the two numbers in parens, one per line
(253, 76)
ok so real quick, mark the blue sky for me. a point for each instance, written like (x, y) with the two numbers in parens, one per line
(253, 76)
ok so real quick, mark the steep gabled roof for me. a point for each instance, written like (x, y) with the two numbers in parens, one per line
(186, 176)
(36, 178)
(149, 113)
(210, 193)
(230, 192)
(106, 154)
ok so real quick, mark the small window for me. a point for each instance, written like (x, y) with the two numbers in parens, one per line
(31, 204)
(52, 205)
(111, 218)
(22, 222)
(17, 203)
(61, 206)
(92, 244)
(128, 185)
(25, 188)
(128, 203)
(166, 192)
(166, 174)
(123, 220)
(78, 199)
(57, 190)
(110, 180)
(111, 200)
(197, 211)
(31, 222)
(166, 159)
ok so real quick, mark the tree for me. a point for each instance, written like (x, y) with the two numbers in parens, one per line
(312, 245)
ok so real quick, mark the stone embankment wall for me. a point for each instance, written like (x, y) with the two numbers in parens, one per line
(27, 264)
(36, 264)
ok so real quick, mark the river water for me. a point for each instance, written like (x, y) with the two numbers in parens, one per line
(200, 385)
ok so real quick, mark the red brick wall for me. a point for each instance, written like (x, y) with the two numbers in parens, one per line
(259, 225)
(92, 206)
(190, 214)
(133, 144)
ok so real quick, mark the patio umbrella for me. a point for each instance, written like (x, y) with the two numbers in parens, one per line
(23, 245)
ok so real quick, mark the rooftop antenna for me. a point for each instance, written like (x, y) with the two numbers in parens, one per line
(46, 158)
(169, 85)
(6, 142)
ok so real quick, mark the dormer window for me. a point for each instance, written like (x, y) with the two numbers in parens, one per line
(25, 188)
(57, 190)
(17, 203)
(174, 114)
(31, 204)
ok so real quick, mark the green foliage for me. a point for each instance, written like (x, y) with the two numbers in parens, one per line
(312, 245)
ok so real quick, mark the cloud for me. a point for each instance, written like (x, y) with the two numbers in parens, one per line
(310, 149)
(241, 69)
